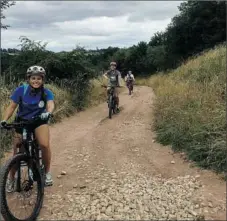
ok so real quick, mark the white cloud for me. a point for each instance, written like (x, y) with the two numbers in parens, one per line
(98, 29)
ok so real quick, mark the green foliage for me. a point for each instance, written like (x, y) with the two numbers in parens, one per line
(4, 5)
(73, 68)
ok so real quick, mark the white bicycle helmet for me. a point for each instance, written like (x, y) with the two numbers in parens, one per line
(113, 63)
(36, 70)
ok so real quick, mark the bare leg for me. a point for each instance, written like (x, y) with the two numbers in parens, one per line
(43, 136)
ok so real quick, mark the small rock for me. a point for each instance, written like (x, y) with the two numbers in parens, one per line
(193, 213)
(202, 204)
(58, 176)
(117, 217)
(103, 209)
(63, 172)
(172, 162)
(60, 186)
(108, 210)
(200, 218)
(210, 205)
(104, 217)
(70, 213)
(197, 206)
(103, 188)
(99, 217)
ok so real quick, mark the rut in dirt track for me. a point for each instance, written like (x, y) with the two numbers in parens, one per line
(114, 170)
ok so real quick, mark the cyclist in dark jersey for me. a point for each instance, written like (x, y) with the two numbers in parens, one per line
(114, 79)
(32, 99)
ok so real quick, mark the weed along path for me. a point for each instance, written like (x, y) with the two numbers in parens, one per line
(113, 170)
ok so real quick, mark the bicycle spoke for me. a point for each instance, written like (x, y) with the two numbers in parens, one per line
(21, 204)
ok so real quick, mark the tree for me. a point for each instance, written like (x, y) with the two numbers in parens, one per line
(200, 25)
(4, 5)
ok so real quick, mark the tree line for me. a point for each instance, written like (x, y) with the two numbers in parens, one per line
(199, 25)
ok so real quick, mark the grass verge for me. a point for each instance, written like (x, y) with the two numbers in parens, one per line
(190, 109)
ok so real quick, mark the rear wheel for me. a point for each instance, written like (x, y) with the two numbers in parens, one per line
(21, 190)
(114, 106)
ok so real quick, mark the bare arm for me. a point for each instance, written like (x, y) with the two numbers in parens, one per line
(119, 79)
(50, 106)
(9, 110)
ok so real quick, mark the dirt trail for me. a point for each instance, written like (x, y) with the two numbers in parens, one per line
(115, 170)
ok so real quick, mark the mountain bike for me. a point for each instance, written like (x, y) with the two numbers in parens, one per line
(111, 102)
(27, 161)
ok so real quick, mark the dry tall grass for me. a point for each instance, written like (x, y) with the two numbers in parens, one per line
(190, 109)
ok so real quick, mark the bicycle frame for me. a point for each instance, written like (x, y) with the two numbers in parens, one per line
(31, 147)
(111, 100)
(32, 150)
(111, 92)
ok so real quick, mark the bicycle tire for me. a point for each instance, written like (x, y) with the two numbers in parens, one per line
(5, 211)
(114, 107)
(130, 89)
(110, 106)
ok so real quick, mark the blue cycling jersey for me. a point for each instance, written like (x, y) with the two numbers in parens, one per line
(30, 104)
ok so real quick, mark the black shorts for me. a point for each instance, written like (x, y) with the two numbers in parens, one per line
(32, 127)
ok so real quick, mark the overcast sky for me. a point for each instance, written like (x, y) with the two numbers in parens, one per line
(65, 24)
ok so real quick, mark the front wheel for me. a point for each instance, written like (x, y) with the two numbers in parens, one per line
(130, 88)
(110, 106)
(21, 191)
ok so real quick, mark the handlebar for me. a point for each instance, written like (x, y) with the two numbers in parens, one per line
(24, 123)
(110, 86)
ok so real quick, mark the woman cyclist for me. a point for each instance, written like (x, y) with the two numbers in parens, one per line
(130, 79)
(32, 100)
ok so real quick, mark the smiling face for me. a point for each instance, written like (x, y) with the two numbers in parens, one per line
(35, 81)
(112, 67)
